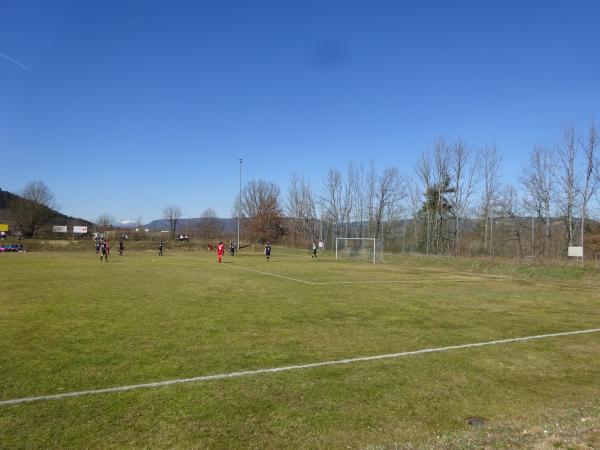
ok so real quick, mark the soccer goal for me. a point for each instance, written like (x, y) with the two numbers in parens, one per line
(358, 249)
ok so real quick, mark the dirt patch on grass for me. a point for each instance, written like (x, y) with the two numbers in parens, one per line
(577, 428)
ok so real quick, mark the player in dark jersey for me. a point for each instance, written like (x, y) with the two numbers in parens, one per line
(160, 248)
(104, 251)
(121, 247)
(268, 251)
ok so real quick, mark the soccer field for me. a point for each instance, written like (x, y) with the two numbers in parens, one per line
(71, 324)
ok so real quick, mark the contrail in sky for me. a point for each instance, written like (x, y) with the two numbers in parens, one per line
(15, 62)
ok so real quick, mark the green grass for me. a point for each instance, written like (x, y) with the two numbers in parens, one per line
(69, 322)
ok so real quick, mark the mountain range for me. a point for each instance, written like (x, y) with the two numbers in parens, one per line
(228, 225)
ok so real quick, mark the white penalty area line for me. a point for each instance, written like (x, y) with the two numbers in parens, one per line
(398, 281)
(246, 373)
(275, 275)
(509, 278)
(468, 278)
(324, 283)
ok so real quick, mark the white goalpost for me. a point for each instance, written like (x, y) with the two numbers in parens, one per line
(360, 249)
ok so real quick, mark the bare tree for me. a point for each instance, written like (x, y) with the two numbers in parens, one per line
(537, 181)
(514, 228)
(415, 196)
(371, 194)
(348, 200)
(33, 208)
(260, 205)
(302, 207)
(590, 177)
(464, 174)
(425, 176)
(491, 190)
(388, 195)
(209, 224)
(172, 214)
(331, 200)
(358, 183)
(567, 180)
(433, 170)
(105, 221)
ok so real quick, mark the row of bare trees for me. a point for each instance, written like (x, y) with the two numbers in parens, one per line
(455, 201)
(561, 181)
(358, 202)
(456, 182)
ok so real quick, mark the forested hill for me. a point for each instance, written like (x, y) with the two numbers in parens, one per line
(5, 198)
(57, 218)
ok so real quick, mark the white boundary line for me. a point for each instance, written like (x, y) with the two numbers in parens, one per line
(275, 275)
(510, 278)
(245, 373)
(476, 277)
(396, 281)
(324, 283)
(392, 268)
(472, 278)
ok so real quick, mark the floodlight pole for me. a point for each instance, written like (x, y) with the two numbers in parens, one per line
(239, 207)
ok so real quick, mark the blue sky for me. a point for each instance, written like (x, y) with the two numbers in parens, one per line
(130, 106)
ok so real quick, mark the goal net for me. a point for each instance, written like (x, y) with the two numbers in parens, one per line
(358, 249)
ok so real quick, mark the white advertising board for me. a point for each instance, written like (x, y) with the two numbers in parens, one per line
(80, 230)
(575, 251)
(59, 228)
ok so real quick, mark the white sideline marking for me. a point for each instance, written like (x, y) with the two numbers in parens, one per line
(397, 281)
(244, 373)
(322, 283)
(476, 277)
(275, 275)
(507, 277)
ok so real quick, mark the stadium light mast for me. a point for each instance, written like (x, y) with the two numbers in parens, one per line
(239, 207)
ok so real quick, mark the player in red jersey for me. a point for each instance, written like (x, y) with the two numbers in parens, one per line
(220, 251)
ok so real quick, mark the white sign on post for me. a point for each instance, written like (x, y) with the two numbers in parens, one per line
(575, 251)
(79, 230)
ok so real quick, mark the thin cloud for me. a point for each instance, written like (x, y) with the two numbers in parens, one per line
(14, 61)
